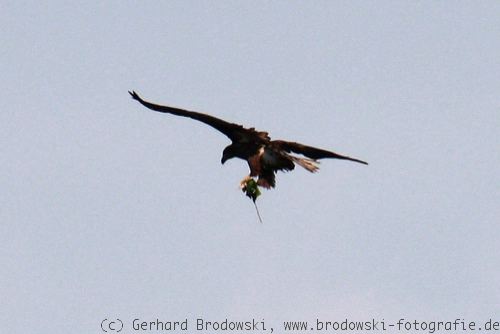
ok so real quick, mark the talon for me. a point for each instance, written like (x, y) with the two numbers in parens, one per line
(243, 183)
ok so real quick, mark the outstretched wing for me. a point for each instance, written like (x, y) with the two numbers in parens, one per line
(311, 152)
(235, 132)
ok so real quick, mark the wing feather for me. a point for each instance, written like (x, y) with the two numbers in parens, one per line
(311, 152)
(234, 131)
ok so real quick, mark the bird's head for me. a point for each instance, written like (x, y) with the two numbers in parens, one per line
(228, 153)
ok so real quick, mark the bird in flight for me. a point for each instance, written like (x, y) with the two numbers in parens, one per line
(264, 156)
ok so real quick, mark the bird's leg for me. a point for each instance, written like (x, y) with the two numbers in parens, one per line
(244, 182)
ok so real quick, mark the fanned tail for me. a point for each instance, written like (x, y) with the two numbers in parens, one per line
(306, 163)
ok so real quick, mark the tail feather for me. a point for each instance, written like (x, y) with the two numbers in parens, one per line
(306, 163)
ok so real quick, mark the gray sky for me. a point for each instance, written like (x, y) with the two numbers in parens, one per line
(111, 210)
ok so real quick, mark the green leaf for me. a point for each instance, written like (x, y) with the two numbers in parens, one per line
(251, 189)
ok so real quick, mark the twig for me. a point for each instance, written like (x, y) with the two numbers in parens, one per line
(257, 209)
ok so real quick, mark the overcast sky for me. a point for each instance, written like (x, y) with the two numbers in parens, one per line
(109, 210)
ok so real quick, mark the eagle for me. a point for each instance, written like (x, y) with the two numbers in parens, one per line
(264, 156)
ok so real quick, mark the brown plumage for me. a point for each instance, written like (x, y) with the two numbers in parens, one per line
(264, 156)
